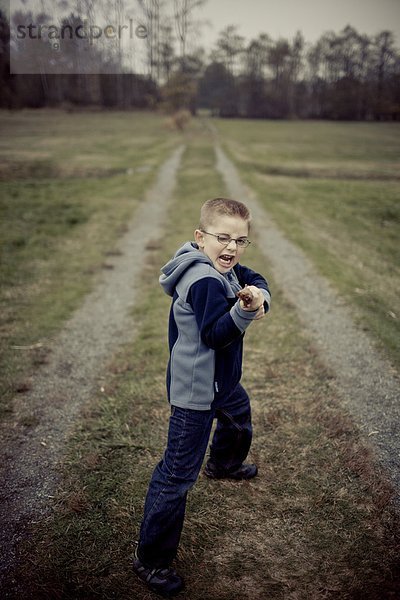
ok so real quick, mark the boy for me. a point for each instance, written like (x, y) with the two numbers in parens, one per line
(206, 328)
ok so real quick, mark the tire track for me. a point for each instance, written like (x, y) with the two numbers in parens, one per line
(368, 384)
(31, 458)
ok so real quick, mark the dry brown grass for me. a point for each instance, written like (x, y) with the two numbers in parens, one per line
(179, 120)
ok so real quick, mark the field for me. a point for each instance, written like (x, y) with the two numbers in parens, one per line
(317, 523)
(335, 190)
(67, 187)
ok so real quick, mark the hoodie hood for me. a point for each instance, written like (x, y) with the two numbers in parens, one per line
(184, 258)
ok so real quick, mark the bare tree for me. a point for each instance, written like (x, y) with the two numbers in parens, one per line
(364, 60)
(279, 59)
(229, 48)
(295, 67)
(385, 60)
(254, 60)
(252, 87)
(166, 52)
(184, 21)
(151, 15)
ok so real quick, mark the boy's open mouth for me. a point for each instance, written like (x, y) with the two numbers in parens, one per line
(226, 260)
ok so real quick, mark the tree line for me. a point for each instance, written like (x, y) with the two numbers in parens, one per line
(343, 75)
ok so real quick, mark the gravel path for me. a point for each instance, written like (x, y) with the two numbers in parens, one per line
(28, 472)
(368, 384)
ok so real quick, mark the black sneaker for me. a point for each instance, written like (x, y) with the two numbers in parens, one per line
(165, 581)
(245, 471)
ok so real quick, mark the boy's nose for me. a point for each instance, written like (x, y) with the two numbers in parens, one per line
(231, 245)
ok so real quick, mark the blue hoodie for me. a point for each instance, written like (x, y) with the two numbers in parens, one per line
(206, 327)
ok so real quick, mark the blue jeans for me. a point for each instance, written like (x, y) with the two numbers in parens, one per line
(176, 473)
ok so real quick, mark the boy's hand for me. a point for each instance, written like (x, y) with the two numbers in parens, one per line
(251, 299)
(260, 313)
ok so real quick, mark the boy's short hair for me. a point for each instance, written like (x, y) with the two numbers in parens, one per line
(223, 206)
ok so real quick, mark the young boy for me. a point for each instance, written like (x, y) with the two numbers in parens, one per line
(206, 328)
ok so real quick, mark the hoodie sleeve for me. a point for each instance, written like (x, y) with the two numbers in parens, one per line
(247, 276)
(219, 322)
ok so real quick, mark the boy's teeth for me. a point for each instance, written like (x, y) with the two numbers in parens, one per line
(226, 258)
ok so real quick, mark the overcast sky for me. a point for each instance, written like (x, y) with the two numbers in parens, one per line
(278, 18)
(312, 17)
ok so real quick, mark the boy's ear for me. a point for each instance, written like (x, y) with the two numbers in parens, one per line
(199, 238)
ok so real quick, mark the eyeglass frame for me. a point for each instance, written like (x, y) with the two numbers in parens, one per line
(246, 241)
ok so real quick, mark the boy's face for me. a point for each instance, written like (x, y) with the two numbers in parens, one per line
(223, 257)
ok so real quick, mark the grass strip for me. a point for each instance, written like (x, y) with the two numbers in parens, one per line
(316, 523)
(336, 205)
(58, 232)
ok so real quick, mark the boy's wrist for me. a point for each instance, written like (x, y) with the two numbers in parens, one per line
(241, 317)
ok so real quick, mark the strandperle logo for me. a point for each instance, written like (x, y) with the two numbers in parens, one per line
(83, 31)
(73, 43)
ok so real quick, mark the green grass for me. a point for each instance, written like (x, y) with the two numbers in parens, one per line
(315, 148)
(334, 190)
(68, 185)
(55, 144)
(316, 523)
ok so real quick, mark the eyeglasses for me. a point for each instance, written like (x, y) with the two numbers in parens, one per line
(225, 240)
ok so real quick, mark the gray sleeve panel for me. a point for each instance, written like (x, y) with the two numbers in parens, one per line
(192, 363)
(242, 318)
(267, 297)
